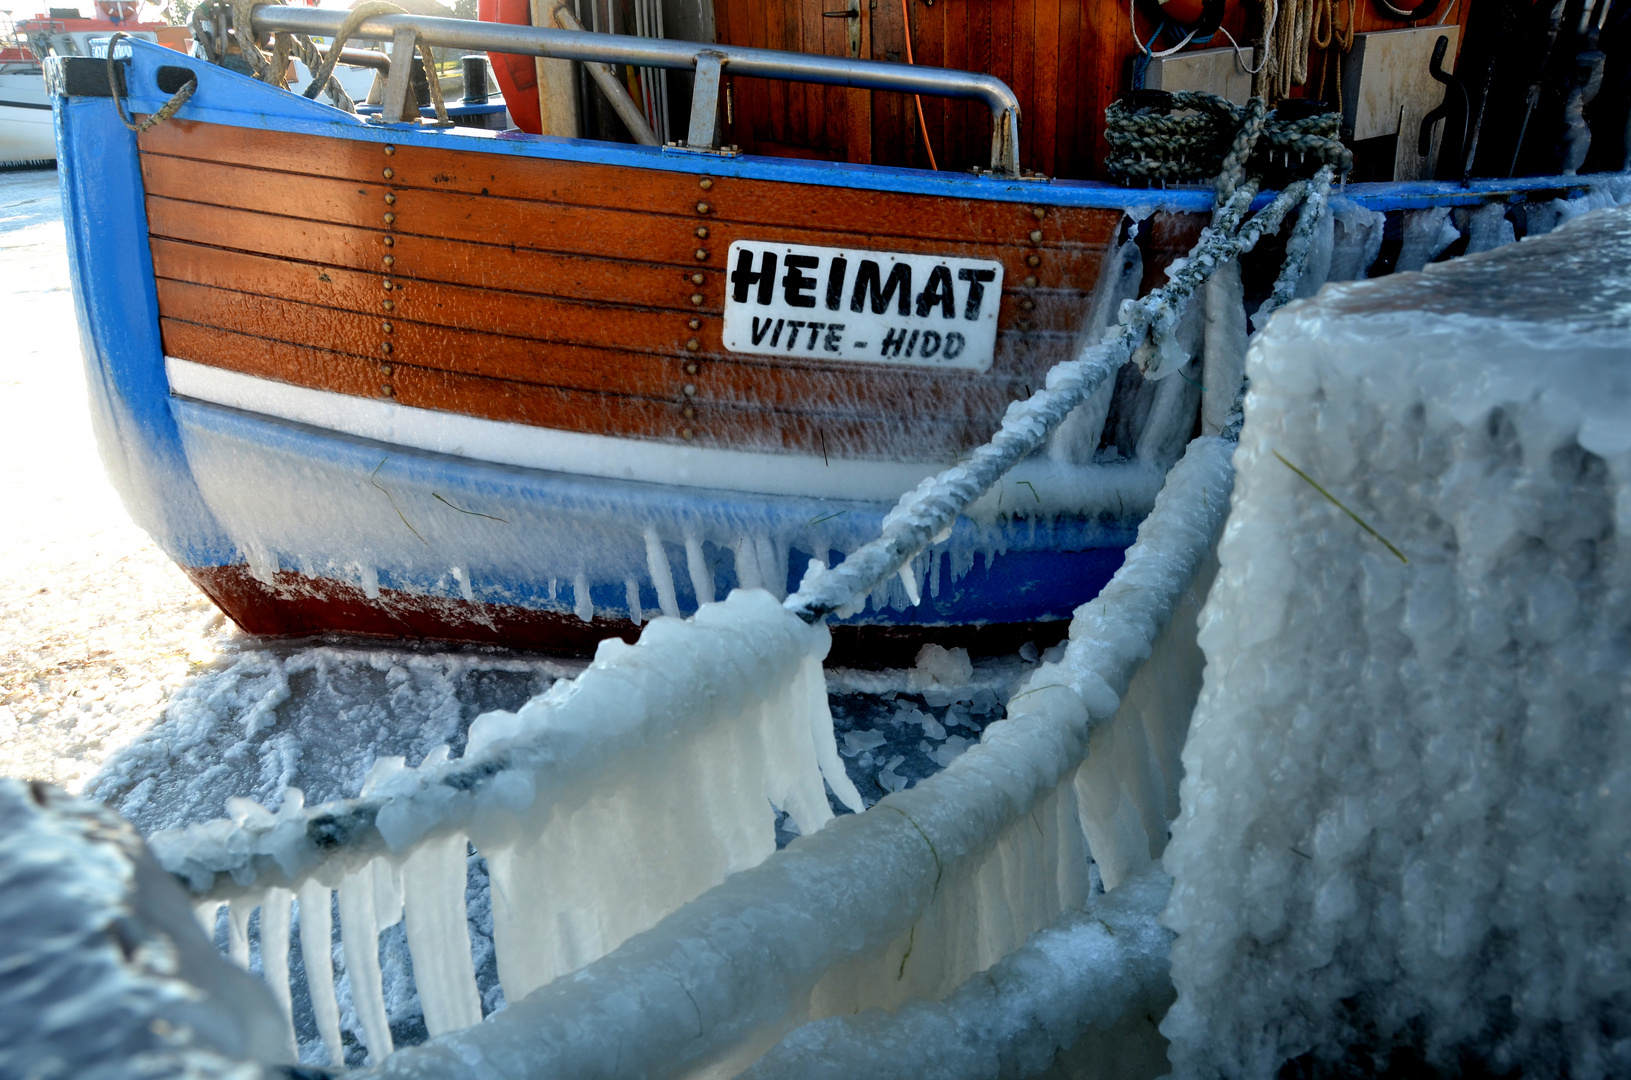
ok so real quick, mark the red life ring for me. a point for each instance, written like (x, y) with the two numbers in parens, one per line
(517, 75)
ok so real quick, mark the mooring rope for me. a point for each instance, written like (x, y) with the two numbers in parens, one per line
(167, 110)
(1146, 333)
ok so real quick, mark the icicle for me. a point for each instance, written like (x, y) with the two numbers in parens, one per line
(433, 880)
(274, 938)
(238, 912)
(662, 575)
(631, 593)
(702, 578)
(317, 950)
(1224, 366)
(359, 935)
(370, 581)
(582, 606)
(908, 578)
(462, 576)
(747, 566)
(772, 566)
(1426, 234)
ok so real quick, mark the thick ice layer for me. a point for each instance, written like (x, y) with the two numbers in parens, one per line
(1099, 971)
(601, 806)
(976, 858)
(1406, 808)
(103, 973)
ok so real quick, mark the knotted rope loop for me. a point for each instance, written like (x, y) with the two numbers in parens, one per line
(167, 110)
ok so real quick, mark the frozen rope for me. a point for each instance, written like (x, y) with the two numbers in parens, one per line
(925, 515)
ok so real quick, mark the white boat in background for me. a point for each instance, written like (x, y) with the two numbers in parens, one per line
(26, 134)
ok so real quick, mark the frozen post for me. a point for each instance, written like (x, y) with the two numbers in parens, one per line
(1407, 806)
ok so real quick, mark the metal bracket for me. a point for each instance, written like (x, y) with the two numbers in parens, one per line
(704, 131)
(399, 82)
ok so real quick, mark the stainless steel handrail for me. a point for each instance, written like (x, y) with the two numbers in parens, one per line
(709, 62)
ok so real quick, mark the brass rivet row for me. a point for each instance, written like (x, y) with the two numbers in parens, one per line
(701, 254)
(389, 284)
(702, 232)
(689, 391)
(1024, 325)
(387, 390)
(390, 198)
(390, 241)
(691, 368)
(687, 433)
(697, 279)
(389, 150)
(693, 345)
(389, 217)
(387, 327)
(707, 184)
(388, 305)
(1027, 304)
(1033, 260)
(386, 370)
(695, 324)
(1030, 281)
(688, 412)
(390, 260)
(1038, 212)
(1036, 236)
(388, 173)
(386, 348)
(703, 208)
(696, 298)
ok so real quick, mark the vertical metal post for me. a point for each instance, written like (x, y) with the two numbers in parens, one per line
(399, 83)
(704, 132)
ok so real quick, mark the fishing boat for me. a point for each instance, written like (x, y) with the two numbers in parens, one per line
(408, 378)
(388, 375)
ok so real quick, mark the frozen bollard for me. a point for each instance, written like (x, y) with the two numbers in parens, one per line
(1405, 837)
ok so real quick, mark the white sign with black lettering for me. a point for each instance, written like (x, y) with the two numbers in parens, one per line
(879, 307)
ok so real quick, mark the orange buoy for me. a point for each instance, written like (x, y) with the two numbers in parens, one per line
(517, 75)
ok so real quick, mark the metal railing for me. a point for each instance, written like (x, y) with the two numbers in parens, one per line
(709, 63)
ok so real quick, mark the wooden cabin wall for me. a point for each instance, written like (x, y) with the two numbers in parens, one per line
(1065, 59)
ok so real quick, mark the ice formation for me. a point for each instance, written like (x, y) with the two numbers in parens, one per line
(1087, 985)
(1407, 792)
(930, 886)
(673, 754)
(103, 974)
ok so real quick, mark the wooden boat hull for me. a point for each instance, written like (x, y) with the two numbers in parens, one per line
(461, 386)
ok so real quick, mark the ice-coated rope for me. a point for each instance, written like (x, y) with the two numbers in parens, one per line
(925, 515)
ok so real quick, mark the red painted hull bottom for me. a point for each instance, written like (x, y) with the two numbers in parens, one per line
(297, 607)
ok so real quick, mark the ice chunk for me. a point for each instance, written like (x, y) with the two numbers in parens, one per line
(1405, 808)
(857, 741)
(946, 667)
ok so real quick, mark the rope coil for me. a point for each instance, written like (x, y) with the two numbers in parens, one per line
(1192, 136)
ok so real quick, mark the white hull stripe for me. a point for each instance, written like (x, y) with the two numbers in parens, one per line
(545, 448)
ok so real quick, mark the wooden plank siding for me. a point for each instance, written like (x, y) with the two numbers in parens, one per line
(1065, 59)
(573, 296)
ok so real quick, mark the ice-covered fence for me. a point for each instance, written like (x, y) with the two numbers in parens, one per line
(600, 806)
(1407, 804)
(907, 900)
